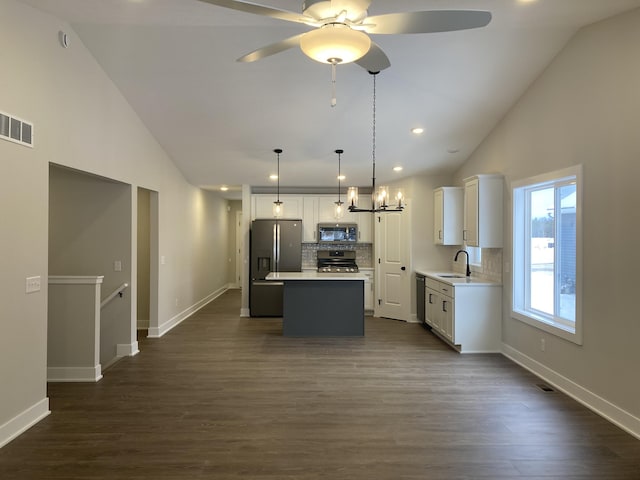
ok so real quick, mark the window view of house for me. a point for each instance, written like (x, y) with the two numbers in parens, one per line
(545, 251)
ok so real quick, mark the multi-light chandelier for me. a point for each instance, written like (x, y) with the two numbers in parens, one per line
(381, 200)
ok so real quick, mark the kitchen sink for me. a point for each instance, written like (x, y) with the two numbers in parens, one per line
(451, 276)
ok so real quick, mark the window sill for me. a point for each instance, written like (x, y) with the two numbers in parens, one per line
(545, 325)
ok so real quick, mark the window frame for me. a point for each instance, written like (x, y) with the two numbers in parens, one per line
(521, 241)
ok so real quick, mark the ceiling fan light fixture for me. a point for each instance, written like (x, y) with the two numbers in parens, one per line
(335, 43)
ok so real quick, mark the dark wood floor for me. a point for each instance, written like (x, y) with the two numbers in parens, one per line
(223, 397)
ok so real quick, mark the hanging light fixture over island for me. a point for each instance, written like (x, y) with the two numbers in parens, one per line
(381, 200)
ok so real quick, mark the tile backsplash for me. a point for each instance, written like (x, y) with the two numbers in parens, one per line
(490, 269)
(364, 253)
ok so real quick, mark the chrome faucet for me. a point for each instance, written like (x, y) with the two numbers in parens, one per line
(456, 259)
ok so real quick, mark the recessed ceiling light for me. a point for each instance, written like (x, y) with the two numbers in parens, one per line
(224, 188)
(453, 150)
(397, 169)
(417, 130)
(273, 176)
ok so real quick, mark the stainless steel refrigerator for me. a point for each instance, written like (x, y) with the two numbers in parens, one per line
(276, 246)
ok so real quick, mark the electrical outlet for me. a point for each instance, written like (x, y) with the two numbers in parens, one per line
(163, 260)
(32, 284)
(176, 302)
(543, 345)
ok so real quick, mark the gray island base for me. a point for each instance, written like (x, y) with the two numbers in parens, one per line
(322, 305)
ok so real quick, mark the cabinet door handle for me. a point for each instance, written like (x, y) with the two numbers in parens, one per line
(464, 234)
(403, 268)
(430, 295)
(444, 305)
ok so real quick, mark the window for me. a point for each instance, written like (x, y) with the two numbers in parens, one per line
(546, 252)
(475, 255)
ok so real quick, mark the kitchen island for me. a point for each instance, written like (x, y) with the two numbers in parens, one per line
(322, 304)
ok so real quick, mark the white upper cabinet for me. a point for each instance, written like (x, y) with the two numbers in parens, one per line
(310, 219)
(312, 209)
(327, 208)
(262, 206)
(448, 215)
(365, 225)
(483, 211)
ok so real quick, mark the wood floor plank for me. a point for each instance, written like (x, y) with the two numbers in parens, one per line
(224, 397)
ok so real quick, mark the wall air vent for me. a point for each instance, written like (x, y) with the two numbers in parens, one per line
(15, 130)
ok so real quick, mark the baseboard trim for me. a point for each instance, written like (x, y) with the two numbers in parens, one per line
(23, 421)
(245, 312)
(619, 417)
(127, 349)
(157, 332)
(74, 374)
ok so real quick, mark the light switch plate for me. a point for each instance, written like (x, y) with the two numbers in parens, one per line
(117, 266)
(32, 284)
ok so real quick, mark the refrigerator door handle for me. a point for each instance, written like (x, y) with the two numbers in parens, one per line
(268, 283)
(278, 239)
(275, 247)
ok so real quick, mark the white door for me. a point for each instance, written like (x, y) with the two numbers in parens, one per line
(394, 265)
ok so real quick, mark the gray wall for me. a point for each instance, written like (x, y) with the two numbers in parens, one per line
(584, 109)
(82, 121)
(235, 206)
(144, 258)
(89, 230)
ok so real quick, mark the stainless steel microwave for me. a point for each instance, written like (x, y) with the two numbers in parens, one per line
(337, 232)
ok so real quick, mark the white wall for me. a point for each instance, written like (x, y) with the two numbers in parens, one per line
(81, 121)
(584, 109)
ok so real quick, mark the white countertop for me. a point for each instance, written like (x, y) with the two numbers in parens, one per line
(459, 280)
(275, 276)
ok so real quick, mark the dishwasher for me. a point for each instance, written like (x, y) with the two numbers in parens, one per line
(420, 297)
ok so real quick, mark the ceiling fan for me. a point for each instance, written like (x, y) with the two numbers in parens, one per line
(342, 26)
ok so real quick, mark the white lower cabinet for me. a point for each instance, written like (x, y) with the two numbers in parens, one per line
(368, 288)
(467, 316)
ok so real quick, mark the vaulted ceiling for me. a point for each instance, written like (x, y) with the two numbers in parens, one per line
(219, 120)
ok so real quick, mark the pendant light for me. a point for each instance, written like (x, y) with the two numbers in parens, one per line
(380, 198)
(278, 209)
(339, 209)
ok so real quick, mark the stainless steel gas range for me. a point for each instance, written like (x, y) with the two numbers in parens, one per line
(337, 261)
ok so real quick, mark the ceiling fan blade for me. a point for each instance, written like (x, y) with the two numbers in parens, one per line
(272, 49)
(375, 60)
(261, 10)
(427, 22)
